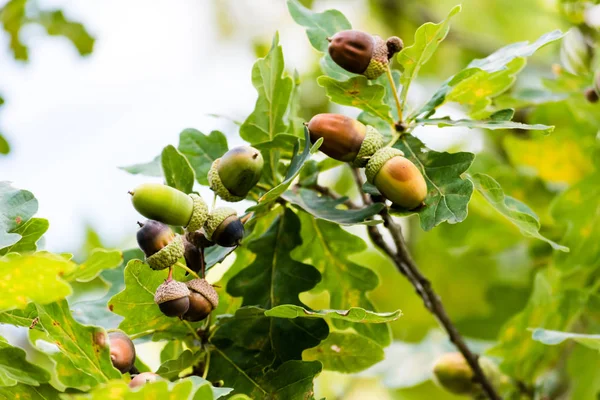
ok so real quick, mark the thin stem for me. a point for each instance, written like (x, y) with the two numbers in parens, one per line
(398, 126)
(407, 267)
(206, 365)
(185, 267)
(191, 328)
(214, 202)
(263, 187)
(142, 334)
(170, 276)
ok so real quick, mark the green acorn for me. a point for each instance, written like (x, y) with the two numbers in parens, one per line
(172, 298)
(122, 351)
(344, 138)
(162, 247)
(203, 299)
(361, 53)
(453, 373)
(397, 178)
(170, 206)
(224, 227)
(236, 173)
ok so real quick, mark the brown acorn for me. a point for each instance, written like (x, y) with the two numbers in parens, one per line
(344, 138)
(122, 351)
(162, 247)
(361, 53)
(143, 378)
(224, 227)
(591, 95)
(172, 298)
(203, 299)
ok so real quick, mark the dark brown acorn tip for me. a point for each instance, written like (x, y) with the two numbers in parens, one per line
(591, 95)
(329, 39)
(394, 45)
(153, 236)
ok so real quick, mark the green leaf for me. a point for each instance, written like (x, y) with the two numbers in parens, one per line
(354, 314)
(553, 338)
(15, 368)
(548, 307)
(578, 210)
(16, 208)
(21, 391)
(31, 232)
(57, 25)
(24, 317)
(274, 90)
(152, 168)
(177, 169)
(427, 39)
(320, 26)
(583, 367)
(326, 208)
(488, 76)
(448, 194)
(4, 145)
(172, 368)
(296, 164)
(201, 150)
(358, 92)
(98, 261)
(84, 345)
(136, 302)
(12, 16)
(491, 124)
(346, 352)
(36, 277)
(517, 212)
(328, 247)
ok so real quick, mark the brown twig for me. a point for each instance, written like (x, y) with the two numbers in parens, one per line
(407, 267)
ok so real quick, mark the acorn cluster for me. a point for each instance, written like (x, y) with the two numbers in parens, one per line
(231, 177)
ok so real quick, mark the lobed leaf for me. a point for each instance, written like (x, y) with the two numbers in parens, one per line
(177, 169)
(355, 314)
(515, 211)
(16, 208)
(31, 232)
(491, 124)
(22, 391)
(329, 209)
(151, 168)
(14, 367)
(98, 261)
(202, 150)
(57, 25)
(171, 369)
(553, 338)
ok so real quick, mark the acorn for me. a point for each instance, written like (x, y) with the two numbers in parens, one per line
(397, 178)
(162, 247)
(236, 173)
(122, 351)
(344, 138)
(361, 53)
(141, 379)
(224, 227)
(170, 206)
(452, 372)
(172, 298)
(203, 299)
(591, 95)
(575, 53)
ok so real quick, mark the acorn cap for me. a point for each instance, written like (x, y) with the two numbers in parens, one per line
(199, 213)
(379, 60)
(373, 141)
(215, 218)
(205, 289)
(378, 159)
(168, 255)
(214, 180)
(170, 290)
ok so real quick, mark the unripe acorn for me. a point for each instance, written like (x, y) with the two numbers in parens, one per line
(397, 178)
(453, 373)
(203, 299)
(224, 227)
(172, 298)
(143, 378)
(236, 173)
(122, 351)
(361, 53)
(170, 206)
(162, 247)
(344, 138)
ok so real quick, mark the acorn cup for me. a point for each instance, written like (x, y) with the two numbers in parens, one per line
(224, 227)
(172, 298)
(361, 53)
(160, 244)
(170, 206)
(344, 138)
(397, 178)
(203, 299)
(122, 351)
(232, 176)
